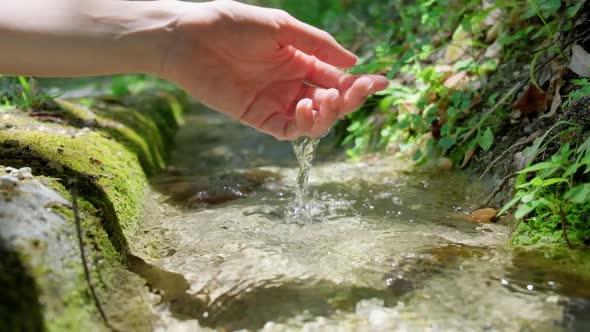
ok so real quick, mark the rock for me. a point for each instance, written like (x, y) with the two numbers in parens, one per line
(8, 182)
(482, 215)
(444, 164)
(43, 283)
(21, 173)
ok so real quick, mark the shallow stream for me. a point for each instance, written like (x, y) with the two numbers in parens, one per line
(383, 249)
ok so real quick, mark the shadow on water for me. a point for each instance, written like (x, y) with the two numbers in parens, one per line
(536, 271)
(190, 191)
(20, 309)
(252, 306)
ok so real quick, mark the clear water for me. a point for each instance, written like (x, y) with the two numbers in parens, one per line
(389, 249)
(304, 149)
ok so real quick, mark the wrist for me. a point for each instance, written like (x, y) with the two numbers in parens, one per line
(137, 33)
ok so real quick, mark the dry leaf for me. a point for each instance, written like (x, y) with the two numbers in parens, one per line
(482, 215)
(554, 105)
(580, 63)
(534, 100)
(460, 43)
(456, 80)
(468, 155)
(493, 50)
(494, 32)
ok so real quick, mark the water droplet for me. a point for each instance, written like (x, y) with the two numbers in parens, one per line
(530, 287)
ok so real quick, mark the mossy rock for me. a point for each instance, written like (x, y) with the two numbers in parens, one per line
(104, 153)
(42, 271)
(110, 163)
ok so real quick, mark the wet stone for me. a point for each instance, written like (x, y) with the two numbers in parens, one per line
(195, 192)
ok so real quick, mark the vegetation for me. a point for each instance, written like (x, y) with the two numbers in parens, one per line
(467, 76)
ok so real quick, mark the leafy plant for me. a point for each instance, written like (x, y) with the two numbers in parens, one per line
(554, 193)
(123, 85)
(21, 92)
(582, 90)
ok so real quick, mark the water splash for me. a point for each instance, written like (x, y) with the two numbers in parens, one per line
(304, 148)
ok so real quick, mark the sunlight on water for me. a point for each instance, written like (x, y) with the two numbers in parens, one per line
(388, 249)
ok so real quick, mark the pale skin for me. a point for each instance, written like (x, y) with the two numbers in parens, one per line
(258, 65)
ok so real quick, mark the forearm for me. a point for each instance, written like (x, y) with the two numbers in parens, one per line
(84, 37)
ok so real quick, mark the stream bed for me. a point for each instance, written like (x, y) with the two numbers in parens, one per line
(384, 249)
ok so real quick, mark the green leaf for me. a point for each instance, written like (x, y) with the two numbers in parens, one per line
(532, 12)
(525, 209)
(417, 155)
(538, 167)
(447, 142)
(486, 140)
(386, 103)
(446, 129)
(579, 194)
(528, 198)
(552, 181)
(571, 169)
(510, 204)
(573, 9)
(354, 126)
(550, 6)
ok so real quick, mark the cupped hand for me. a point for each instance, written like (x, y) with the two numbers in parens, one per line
(265, 68)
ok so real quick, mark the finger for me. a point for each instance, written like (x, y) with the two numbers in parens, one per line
(380, 82)
(355, 90)
(315, 42)
(355, 96)
(324, 75)
(328, 113)
(304, 119)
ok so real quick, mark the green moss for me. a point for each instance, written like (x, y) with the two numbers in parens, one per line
(146, 128)
(109, 174)
(107, 166)
(546, 228)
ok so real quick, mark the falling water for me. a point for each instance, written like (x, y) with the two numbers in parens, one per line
(304, 148)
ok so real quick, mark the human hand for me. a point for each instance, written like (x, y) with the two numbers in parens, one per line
(264, 68)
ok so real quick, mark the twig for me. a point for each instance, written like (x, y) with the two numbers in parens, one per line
(515, 145)
(500, 103)
(498, 188)
(564, 228)
(76, 210)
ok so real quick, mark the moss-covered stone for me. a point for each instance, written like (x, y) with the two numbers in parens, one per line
(104, 153)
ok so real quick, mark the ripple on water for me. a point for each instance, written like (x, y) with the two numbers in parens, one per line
(384, 250)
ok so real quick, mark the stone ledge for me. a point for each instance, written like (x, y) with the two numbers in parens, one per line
(109, 148)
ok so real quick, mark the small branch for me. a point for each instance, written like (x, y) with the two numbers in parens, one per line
(564, 228)
(76, 210)
(498, 188)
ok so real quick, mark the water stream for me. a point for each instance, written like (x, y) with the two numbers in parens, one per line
(389, 249)
(304, 149)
